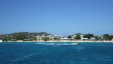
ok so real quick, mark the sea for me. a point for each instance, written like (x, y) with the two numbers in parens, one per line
(56, 53)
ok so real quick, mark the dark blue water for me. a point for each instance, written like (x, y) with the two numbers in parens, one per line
(50, 53)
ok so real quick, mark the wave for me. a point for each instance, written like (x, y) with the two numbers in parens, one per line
(57, 43)
(24, 57)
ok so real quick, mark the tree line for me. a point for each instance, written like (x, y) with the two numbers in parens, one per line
(30, 36)
(89, 36)
(25, 36)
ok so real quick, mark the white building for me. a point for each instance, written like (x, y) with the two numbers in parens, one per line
(84, 38)
(64, 38)
(92, 38)
(1, 41)
(112, 39)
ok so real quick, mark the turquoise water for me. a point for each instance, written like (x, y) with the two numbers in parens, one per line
(52, 53)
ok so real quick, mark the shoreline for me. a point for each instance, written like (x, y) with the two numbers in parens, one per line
(75, 41)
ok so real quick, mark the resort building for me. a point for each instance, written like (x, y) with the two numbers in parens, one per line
(51, 37)
(84, 38)
(1, 41)
(112, 39)
(92, 38)
(64, 38)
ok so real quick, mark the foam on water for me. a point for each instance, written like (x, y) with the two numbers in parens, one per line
(57, 43)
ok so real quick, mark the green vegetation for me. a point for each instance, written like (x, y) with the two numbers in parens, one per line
(88, 36)
(34, 38)
(77, 37)
(97, 37)
(56, 38)
(69, 37)
(46, 38)
(107, 37)
(25, 36)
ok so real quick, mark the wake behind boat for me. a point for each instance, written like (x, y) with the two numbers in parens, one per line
(56, 43)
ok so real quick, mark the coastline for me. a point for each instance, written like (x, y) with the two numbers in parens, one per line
(75, 41)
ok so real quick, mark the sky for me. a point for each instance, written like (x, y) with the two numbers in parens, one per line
(56, 16)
